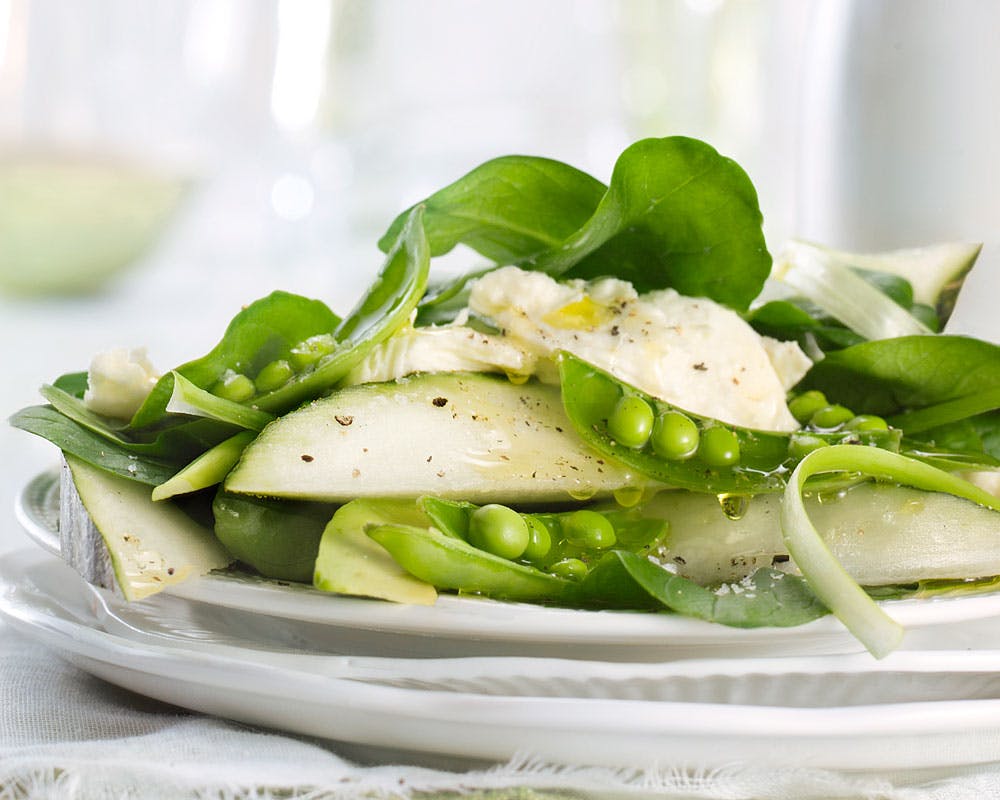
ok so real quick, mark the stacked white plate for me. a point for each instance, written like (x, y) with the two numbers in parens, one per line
(487, 680)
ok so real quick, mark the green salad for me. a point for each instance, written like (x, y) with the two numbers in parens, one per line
(626, 403)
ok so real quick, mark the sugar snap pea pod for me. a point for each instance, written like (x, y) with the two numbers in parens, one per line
(451, 517)
(449, 563)
(724, 458)
(278, 538)
(206, 470)
(264, 331)
(767, 598)
(186, 398)
(385, 307)
(566, 534)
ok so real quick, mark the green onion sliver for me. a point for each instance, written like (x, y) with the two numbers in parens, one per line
(831, 583)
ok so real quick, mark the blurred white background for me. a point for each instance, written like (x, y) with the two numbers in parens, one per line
(214, 150)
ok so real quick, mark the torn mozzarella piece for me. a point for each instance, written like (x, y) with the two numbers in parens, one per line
(452, 348)
(690, 352)
(118, 382)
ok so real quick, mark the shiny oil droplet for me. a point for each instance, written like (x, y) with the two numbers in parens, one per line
(582, 492)
(517, 378)
(831, 496)
(628, 496)
(734, 506)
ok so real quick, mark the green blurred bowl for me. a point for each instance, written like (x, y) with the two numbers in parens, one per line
(69, 223)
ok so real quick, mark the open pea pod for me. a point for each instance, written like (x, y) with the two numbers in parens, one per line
(716, 457)
(449, 563)
(285, 349)
(264, 332)
(562, 536)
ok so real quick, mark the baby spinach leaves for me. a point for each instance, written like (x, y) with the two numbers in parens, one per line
(767, 598)
(507, 209)
(677, 214)
(944, 390)
(889, 376)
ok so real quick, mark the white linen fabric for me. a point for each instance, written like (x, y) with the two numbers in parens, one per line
(65, 734)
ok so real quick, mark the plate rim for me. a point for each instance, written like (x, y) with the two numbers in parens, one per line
(850, 727)
(505, 621)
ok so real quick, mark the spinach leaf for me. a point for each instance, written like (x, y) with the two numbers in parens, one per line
(768, 598)
(177, 443)
(74, 383)
(88, 446)
(800, 321)
(507, 209)
(891, 376)
(677, 214)
(979, 433)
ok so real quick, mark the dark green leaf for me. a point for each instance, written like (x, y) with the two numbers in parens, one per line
(768, 598)
(894, 287)
(178, 443)
(73, 383)
(677, 214)
(76, 440)
(507, 209)
(912, 372)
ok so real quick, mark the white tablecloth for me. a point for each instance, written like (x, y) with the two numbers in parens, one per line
(65, 734)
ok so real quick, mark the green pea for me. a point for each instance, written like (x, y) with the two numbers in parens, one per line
(311, 350)
(802, 445)
(273, 376)
(675, 436)
(631, 422)
(499, 530)
(719, 447)
(234, 386)
(589, 529)
(831, 416)
(806, 404)
(572, 568)
(539, 539)
(867, 422)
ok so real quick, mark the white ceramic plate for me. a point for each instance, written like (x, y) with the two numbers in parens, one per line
(634, 715)
(466, 627)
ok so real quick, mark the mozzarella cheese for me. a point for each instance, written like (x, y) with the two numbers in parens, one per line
(447, 348)
(690, 352)
(118, 382)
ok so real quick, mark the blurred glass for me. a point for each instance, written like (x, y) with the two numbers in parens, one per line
(727, 72)
(110, 110)
(900, 134)
(420, 93)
